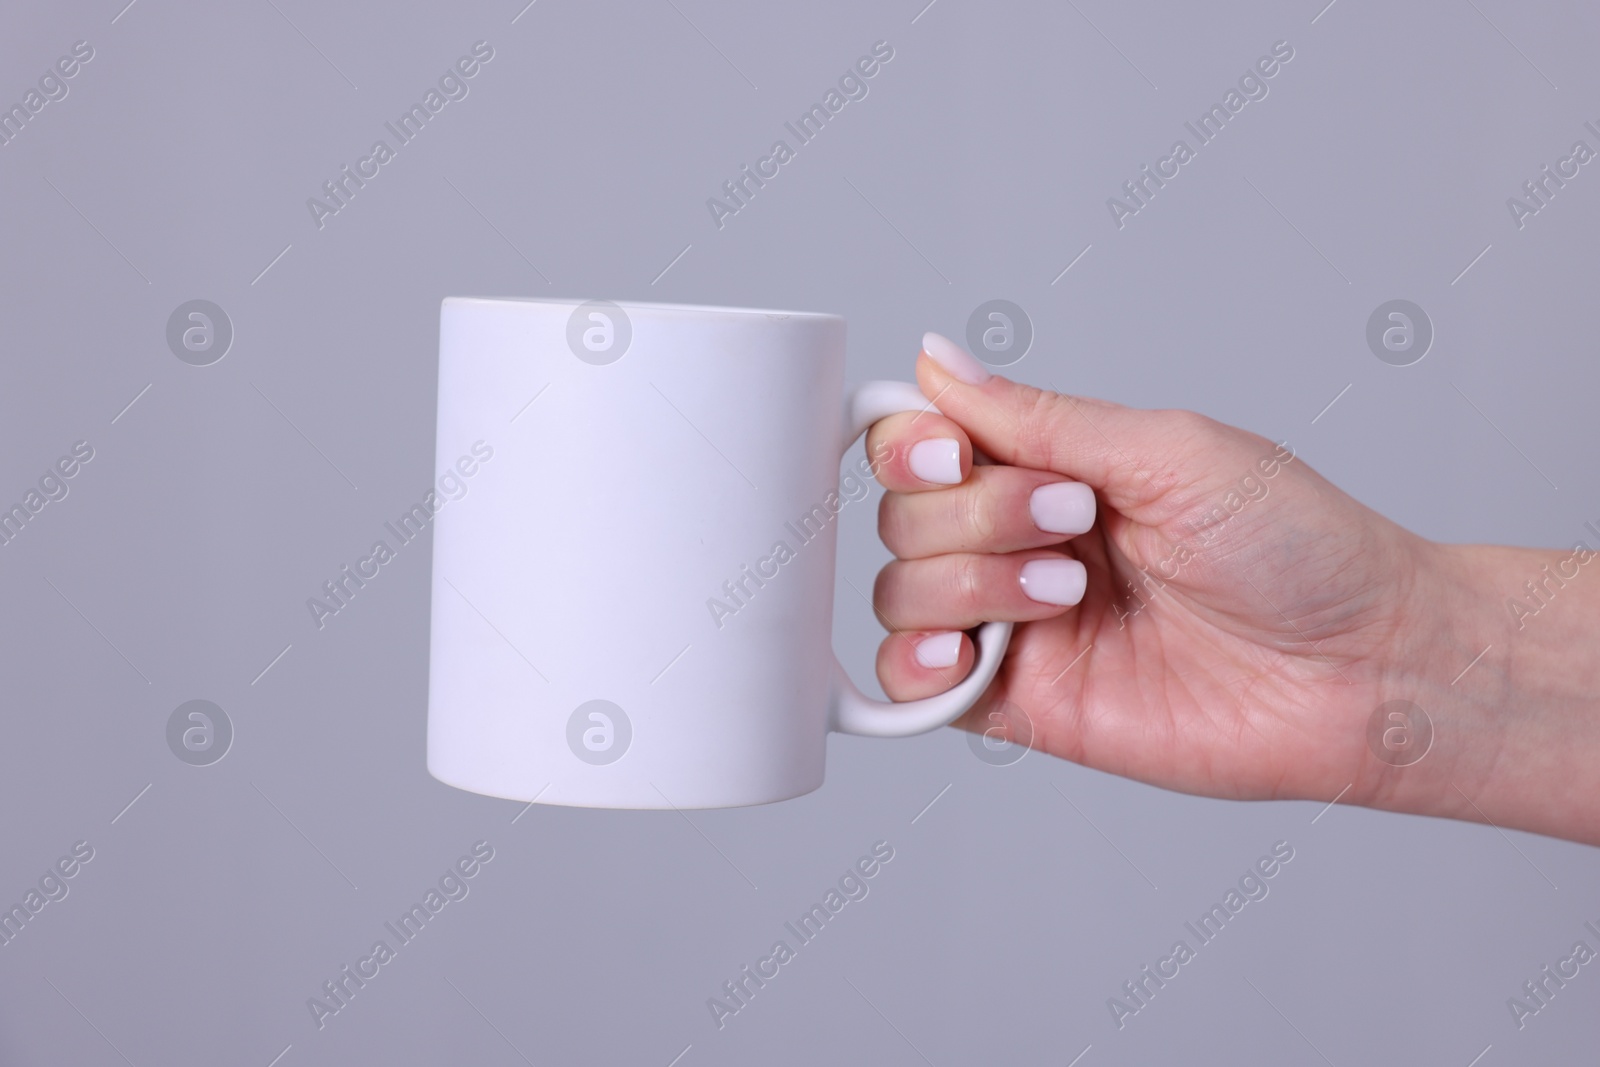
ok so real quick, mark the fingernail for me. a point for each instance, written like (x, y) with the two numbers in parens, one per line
(937, 460)
(1054, 581)
(954, 359)
(939, 650)
(1062, 507)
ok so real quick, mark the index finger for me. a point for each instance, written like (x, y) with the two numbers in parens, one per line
(915, 451)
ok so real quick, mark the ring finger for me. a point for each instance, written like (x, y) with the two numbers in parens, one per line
(961, 590)
(997, 509)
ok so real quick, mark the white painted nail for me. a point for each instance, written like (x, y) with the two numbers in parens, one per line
(956, 360)
(939, 651)
(1062, 507)
(1054, 581)
(937, 460)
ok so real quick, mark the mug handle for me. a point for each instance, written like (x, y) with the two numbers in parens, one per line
(853, 712)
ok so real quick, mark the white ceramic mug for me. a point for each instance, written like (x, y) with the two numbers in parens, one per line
(614, 623)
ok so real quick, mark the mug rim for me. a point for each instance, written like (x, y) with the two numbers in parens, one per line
(704, 310)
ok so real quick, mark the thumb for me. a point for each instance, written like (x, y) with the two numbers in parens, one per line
(1131, 457)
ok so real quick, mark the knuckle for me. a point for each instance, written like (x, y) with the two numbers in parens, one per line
(966, 581)
(890, 594)
(891, 524)
(978, 514)
(1038, 422)
(1166, 479)
(1191, 427)
(882, 587)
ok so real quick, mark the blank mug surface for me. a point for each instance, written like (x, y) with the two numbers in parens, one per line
(632, 603)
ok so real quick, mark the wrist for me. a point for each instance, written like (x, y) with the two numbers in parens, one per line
(1497, 661)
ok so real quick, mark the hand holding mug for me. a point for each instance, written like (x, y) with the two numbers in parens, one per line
(1232, 624)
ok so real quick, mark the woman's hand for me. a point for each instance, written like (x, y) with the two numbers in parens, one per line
(1227, 624)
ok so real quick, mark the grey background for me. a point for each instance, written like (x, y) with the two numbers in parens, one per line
(978, 167)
